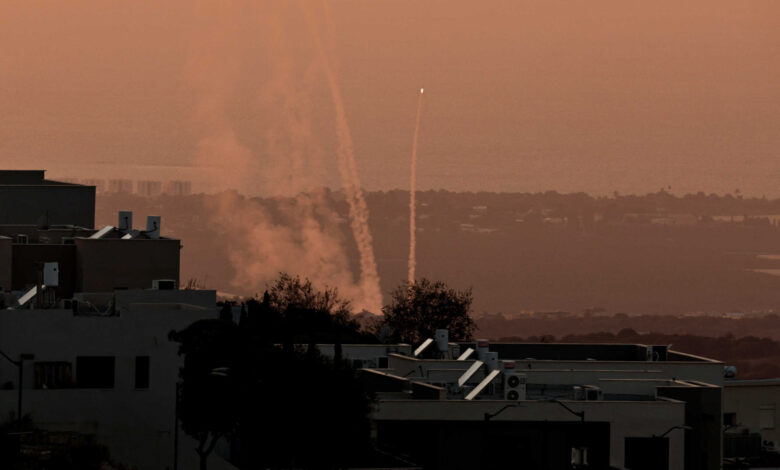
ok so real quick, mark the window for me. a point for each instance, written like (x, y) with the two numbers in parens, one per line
(729, 419)
(579, 457)
(141, 371)
(766, 416)
(53, 375)
(95, 371)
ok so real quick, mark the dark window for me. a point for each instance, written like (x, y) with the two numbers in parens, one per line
(729, 419)
(53, 374)
(647, 453)
(95, 372)
(383, 363)
(141, 371)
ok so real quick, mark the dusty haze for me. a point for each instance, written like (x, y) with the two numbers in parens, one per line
(521, 96)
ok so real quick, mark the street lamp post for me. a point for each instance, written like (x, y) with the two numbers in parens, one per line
(20, 365)
(684, 428)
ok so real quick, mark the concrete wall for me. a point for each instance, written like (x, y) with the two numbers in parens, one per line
(703, 405)
(749, 399)
(5, 263)
(136, 425)
(626, 419)
(105, 264)
(56, 204)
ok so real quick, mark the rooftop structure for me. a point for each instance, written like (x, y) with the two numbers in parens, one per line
(27, 198)
(547, 406)
(85, 317)
(49, 223)
(750, 418)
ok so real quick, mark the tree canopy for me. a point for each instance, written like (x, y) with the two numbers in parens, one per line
(417, 310)
(293, 311)
(274, 401)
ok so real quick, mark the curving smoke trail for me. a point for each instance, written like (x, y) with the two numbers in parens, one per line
(412, 191)
(243, 61)
(358, 210)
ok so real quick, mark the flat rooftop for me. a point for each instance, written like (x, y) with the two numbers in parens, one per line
(584, 352)
(28, 178)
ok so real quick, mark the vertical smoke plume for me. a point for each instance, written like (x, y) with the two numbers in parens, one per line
(412, 193)
(358, 211)
(255, 88)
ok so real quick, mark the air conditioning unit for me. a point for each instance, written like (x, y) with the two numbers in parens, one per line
(21, 238)
(593, 393)
(660, 353)
(588, 393)
(514, 386)
(164, 284)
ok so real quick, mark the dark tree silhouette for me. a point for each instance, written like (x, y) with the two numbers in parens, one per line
(312, 414)
(226, 313)
(293, 311)
(273, 401)
(417, 310)
(211, 382)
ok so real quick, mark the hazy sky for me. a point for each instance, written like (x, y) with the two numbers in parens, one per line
(520, 96)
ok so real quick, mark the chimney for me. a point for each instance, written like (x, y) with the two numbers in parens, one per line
(153, 226)
(125, 221)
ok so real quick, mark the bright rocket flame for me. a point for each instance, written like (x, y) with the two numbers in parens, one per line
(422, 91)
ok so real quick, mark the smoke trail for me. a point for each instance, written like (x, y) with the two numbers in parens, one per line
(358, 210)
(412, 191)
(244, 63)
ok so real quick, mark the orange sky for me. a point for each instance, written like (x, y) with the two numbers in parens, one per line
(520, 96)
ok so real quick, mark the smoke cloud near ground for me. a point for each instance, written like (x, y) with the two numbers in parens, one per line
(269, 137)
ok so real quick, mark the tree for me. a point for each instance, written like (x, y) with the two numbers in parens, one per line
(273, 401)
(293, 311)
(417, 310)
(211, 382)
